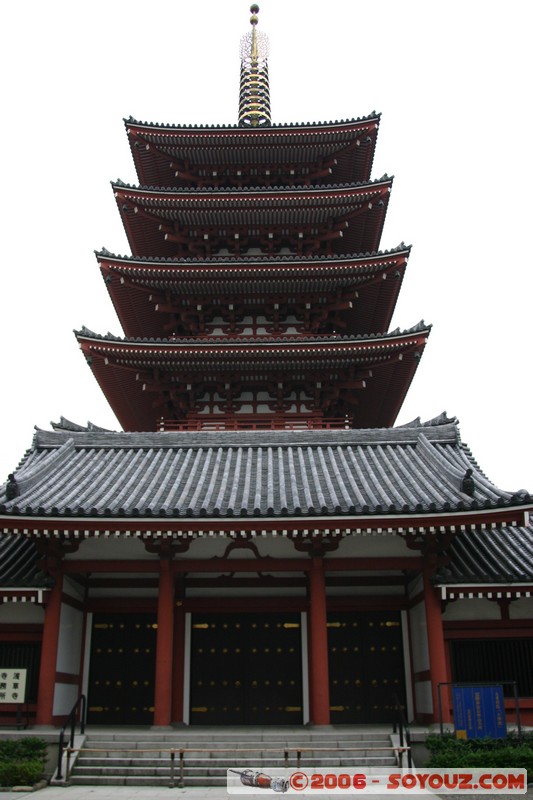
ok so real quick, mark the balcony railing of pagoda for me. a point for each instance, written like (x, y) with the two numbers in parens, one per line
(256, 422)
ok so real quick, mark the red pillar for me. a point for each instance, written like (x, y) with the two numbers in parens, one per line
(436, 646)
(47, 672)
(163, 658)
(318, 644)
(179, 663)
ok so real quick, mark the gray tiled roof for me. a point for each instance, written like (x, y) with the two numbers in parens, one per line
(281, 126)
(332, 192)
(404, 470)
(259, 341)
(18, 563)
(368, 263)
(501, 555)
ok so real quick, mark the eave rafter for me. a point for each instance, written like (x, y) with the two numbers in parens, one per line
(298, 155)
(407, 525)
(202, 224)
(203, 352)
(187, 282)
(178, 379)
(356, 268)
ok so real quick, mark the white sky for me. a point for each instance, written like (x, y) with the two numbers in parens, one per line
(452, 81)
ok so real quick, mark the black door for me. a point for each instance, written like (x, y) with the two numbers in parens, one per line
(121, 679)
(366, 668)
(246, 669)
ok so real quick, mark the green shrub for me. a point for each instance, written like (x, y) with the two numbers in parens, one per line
(510, 752)
(30, 748)
(20, 773)
(22, 761)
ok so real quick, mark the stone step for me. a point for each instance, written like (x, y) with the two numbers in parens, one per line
(253, 747)
(115, 780)
(277, 744)
(191, 735)
(120, 764)
(258, 758)
(142, 758)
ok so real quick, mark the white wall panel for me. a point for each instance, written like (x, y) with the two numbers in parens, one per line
(419, 638)
(424, 699)
(70, 638)
(21, 613)
(522, 609)
(65, 696)
(471, 608)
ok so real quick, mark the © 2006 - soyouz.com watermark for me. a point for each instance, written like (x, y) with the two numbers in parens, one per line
(377, 781)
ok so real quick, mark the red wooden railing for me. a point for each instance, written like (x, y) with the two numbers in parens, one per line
(256, 422)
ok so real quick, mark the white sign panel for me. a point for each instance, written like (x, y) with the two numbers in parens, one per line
(12, 685)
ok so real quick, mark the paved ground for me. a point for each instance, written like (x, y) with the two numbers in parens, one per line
(118, 793)
(211, 793)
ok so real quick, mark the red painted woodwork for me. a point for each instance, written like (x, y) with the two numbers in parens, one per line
(318, 643)
(178, 661)
(351, 295)
(482, 629)
(330, 376)
(436, 645)
(315, 221)
(219, 564)
(47, 672)
(164, 650)
(237, 236)
(407, 526)
(340, 152)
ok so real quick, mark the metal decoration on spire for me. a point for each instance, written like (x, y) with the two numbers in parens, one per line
(254, 96)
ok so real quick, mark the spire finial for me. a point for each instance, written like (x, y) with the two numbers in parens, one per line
(254, 96)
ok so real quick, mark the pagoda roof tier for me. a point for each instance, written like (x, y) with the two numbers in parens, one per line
(306, 221)
(404, 479)
(144, 380)
(158, 297)
(333, 152)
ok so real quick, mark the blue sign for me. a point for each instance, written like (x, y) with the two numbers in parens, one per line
(479, 712)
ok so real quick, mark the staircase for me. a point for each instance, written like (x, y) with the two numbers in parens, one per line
(143, 758)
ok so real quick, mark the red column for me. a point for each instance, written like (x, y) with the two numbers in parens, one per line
(318, 644)
(436, 646)
(165, 631)
(47, 672)
(179, 664)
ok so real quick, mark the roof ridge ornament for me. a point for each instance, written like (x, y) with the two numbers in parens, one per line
(254, 94)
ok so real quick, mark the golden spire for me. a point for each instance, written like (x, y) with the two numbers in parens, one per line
(254, 95)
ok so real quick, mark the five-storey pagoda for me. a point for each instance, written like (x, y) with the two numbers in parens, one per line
(256, 295)
(259, 545)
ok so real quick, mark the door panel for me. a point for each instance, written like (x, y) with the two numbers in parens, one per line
(366, 666)
(121, 679)
(246, 669)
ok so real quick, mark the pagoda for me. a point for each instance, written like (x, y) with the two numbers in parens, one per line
(259, 511)
(256, 295)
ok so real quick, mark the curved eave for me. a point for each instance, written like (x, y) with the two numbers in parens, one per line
(354, 215)
(253, 262)
(242, 348)
(123, 369)
(214, 135)
(287, 197)
(136, 523)
(136, 285)
(346, 150)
